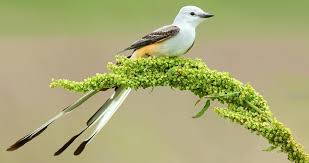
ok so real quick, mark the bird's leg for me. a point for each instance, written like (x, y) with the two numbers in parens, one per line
(147, 55)
(104, 89)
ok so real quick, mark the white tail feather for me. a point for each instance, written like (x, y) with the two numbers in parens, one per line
(43, 127)
(110, 107)
(116, 101)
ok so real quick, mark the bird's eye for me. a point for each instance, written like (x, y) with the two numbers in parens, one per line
(192, 13)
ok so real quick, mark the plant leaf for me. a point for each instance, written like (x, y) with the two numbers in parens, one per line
(202, 111)
(270, 148)
(198, 101)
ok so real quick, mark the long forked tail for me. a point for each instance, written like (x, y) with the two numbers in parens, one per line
(39, 130)
(102, 116)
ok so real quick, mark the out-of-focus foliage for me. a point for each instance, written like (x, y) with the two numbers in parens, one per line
(80, 16)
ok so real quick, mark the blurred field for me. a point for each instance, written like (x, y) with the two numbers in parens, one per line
(261, 42)
(78, 16)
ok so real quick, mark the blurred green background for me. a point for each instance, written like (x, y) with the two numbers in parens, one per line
(265, 43)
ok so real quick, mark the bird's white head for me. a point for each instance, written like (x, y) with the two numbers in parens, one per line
(191, 15)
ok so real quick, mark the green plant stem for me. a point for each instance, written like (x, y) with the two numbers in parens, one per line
(222, 95)
(244, 105)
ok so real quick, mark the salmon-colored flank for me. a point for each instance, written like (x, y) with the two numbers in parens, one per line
(147, 50)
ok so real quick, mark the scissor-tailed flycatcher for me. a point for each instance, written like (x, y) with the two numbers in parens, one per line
(172, 40)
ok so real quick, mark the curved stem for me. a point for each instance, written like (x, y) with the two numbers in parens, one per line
(245, 106)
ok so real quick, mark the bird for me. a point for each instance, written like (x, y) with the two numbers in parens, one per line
(175, 39)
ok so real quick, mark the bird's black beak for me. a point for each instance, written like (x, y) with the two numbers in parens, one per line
(206, 15)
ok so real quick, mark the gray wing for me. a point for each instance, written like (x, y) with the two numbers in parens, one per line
(158, 35)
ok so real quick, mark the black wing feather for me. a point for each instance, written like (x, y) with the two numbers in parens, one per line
(158, 35)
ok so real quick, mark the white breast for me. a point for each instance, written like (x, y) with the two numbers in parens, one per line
(179, 44)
